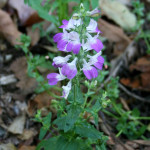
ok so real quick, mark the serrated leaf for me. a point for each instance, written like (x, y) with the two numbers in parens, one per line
(46, 121)
(43, 13)
(73, 144)
(49, 144)
(67, 122)
(88, 131)
(43, 132)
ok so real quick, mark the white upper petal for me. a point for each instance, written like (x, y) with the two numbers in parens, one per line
(93, 59)
(86, 66)
(66, 89)
(61, 60)
(92, 26)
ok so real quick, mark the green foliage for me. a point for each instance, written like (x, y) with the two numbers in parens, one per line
(43, 11)
(79, 96)
(94, 3)
(45, 121)
(34, 63)
(139, 11)
(46, 144)
(67, 121)
(87, 131)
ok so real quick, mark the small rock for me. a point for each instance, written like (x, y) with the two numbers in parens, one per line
(8, 146)
(4, 80)
(17, 126)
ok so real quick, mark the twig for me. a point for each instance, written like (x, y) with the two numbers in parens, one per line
(133, 95)
(113, 74)
(111, 134)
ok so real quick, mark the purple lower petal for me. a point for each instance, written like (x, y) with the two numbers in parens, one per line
(76, 48)
(87, 74)
(52, 81)
(94, 72)
(52, 78)
(65, 70)
(52, 75)
(69, 47)
(98, 65)
(65, 22)
(100, 59)
(61, 45)
(97, 46)
(57, 37)
(70, 73)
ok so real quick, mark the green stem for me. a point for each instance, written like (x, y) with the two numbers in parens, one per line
(86, 97)
(110, 114)
(74, 93)
(119, 133)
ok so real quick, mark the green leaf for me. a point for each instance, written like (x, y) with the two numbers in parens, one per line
(43, 132)
(43, 11)
(135, 112)
(49, 144)
(88, 131)
(67, 122)
(46, 122)
(64, 144)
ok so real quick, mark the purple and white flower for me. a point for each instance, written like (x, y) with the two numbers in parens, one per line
(93, 43)
(63, 40)
(89, 71)
(71, 24)
(74, 44)
(92, 27)
(59, 61)
(70, 70)
(68, 41)
(66, 89)
(97, 60)
(53, 78)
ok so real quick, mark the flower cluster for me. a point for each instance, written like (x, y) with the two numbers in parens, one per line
(77, 39)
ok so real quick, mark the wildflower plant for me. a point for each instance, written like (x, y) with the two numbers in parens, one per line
(79, 65)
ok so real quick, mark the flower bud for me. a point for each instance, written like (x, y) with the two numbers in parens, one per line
(94, 13)
(86, 83)
(93, 84)
(82, 9)
(75, 16)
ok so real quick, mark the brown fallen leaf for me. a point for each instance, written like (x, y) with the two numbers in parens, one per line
(114, 34)
(8, 28)
(145, 80)
(34, 35)
(24, 147)
(142, 64)
(141, 80)
(27, 134)
(26, 84)
(134, 83)
(23, 10)
(41, 101)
